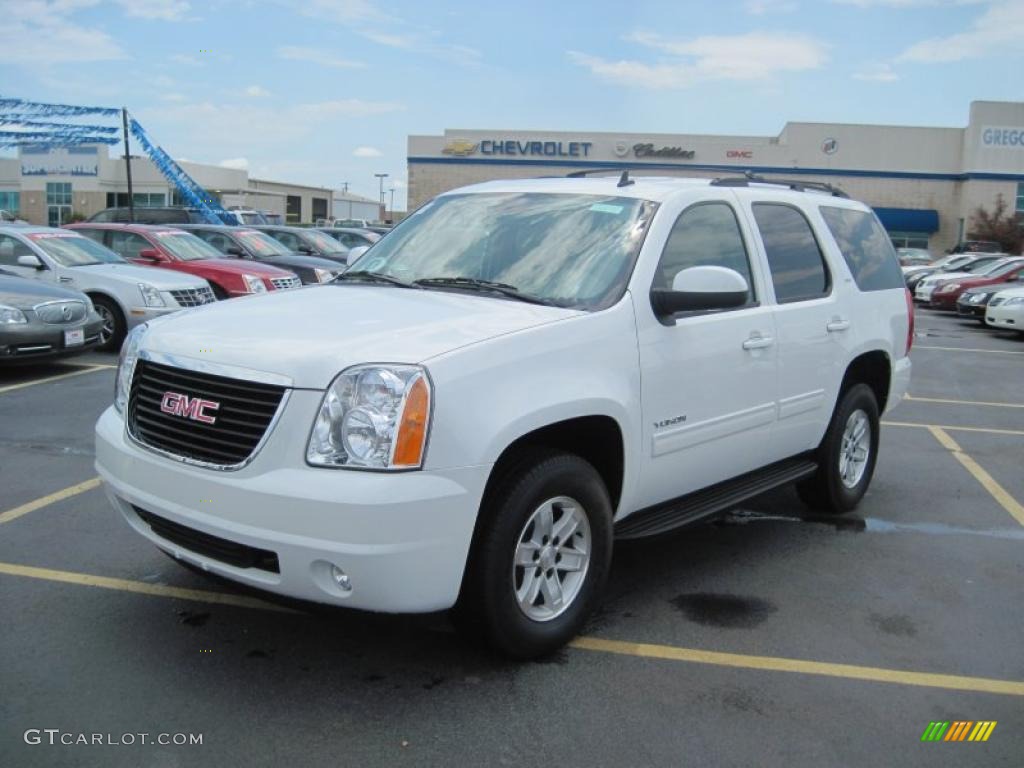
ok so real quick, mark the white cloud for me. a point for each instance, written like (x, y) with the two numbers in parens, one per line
(366, 152)
(998, 29)
(175, 97)
(256, 91)
(163, 10)
(751, 56)
(236, 163)
(42, 32)
(762, 7)
(878, 72)
(342, 11)
(181, 58)
(906, 3)
(316, 56)
(426, 44)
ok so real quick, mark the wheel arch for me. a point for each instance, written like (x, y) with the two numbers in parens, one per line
(873, 368)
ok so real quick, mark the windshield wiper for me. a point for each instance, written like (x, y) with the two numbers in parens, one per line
(373, 277)
(487, 286)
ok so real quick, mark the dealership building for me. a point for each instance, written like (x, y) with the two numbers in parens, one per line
(50, 185)
(924, 183)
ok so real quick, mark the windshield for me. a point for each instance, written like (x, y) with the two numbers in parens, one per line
(984, 266)
(571, 250)
(186, 247)
(1000, 268)
(70, 250)
(262, 245)
(320, 241)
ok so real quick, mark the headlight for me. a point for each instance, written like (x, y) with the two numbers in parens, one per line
(373, 417)
(151, 296)
(949, 287)
(126, 366)
(323, 275)
(255, 284)
(1015, 300)
(11, 316)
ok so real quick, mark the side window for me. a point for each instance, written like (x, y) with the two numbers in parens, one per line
(215, 239)
(103, 217)
(128, 244)
(705, 234)
(797, 266)
(865, 246)
(92, 234)
(10, 249)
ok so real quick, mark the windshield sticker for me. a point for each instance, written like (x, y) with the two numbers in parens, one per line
(605, 208)
(168, 232)
(48, 235)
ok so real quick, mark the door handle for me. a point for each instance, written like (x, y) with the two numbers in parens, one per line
(837, 325)
(65, 279)
(758, 342)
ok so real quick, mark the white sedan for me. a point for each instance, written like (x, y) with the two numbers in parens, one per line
(1006, 310)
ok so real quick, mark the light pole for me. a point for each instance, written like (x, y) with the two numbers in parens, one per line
(381, 177)
(392, 209)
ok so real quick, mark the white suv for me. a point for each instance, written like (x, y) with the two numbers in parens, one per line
(529, 370)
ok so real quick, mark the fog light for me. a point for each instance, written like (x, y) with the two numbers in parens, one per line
(341, 578)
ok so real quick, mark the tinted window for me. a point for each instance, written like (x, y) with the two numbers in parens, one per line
(92, 234)
(11, 249)
(706, 234)
(798, 271)
(865, 247)
(127, 244)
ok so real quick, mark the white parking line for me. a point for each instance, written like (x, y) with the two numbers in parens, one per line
(971, 349)
(947, 401)
(81, 370)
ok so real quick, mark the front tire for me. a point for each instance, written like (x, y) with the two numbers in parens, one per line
(541, 556)
(846, 457)
(114, 326)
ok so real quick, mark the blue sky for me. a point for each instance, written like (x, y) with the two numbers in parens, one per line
(326, 91)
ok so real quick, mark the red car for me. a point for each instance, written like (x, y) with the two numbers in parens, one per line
(169, 248)
(945, 294)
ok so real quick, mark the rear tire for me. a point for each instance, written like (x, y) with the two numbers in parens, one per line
(540, 557)
(846, 457)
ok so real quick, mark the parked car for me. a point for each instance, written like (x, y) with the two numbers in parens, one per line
(6, 217)
(312, 242)
(974, 301)
(976, 246)
(914, 257)
(351, 237)
(245, 243)
(171, 248)
(977, 266)
(273, 218)
(247, 216)
(162, 215)
(123, 294)
(946, 294)
(40, 321)
(1005, 311)
(529, 370)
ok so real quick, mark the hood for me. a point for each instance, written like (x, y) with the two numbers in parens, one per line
(994, 287)
(1012, 293)
(312, 334)
(947, 276)
(301, 261)
(240, 267)
(22, 293)
(161, 279)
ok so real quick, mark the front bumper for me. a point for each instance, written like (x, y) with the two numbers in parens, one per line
(923, 295)
(36, 341)
(943, 300)
(402, 538)
(1011, 318)
(970, 310)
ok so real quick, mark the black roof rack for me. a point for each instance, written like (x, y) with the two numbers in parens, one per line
(749, 178)
(591, 171)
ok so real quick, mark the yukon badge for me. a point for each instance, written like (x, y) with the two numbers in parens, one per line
(669, 422)
(194, 408)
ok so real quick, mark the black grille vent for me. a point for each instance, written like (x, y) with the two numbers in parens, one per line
(214, 547)
(242, 418)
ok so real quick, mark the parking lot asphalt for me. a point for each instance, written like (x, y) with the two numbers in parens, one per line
(767, 638)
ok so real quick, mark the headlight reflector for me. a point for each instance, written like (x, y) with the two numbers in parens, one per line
(11, 315)
(255, 284)
(151, 296)
(373, 417)
(126, 366)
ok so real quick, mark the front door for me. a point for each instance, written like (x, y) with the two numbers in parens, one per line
(708, 378)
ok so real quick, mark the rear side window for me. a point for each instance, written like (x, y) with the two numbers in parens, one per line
(797, 266)
(866, 248)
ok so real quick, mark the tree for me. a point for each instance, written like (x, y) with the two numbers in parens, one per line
(1001, 225)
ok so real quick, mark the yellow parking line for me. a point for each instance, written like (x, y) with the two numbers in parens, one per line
(916, 399)
(776, 664)
(971, 349)
(44, 380)
(991, 430)
(32, 506)
(140, 587)
(1006, 501)
(644, 650)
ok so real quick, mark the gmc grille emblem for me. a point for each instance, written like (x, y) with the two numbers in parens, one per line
(193, 408)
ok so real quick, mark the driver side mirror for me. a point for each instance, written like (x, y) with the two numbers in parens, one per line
(31, 260)
(151, 254)
(235, 250)
(700, 288)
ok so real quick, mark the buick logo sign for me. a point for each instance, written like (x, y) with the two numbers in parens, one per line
(830, 146)
(194, 408)
(66, 312)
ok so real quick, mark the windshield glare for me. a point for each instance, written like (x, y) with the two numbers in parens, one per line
(572, 250)
(188, 247)
(75, 250)
(320, 241)
(262, 245)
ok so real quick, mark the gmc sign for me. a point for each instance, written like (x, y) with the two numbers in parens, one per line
(194, 408)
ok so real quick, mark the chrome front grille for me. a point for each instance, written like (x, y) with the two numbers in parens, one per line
(194, 297)
(61, 312)
(164, 412)
(284, 283)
